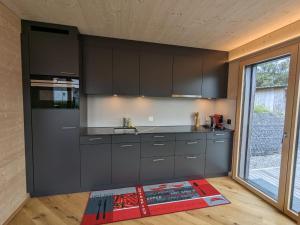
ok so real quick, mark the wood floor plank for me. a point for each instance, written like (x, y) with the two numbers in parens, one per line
(245, 209)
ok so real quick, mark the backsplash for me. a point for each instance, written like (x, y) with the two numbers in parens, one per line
(109, 111)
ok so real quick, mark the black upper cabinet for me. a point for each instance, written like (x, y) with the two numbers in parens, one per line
(53, 52)
(215, 74)
(156, 74)
(97, 67)
(187, 75)
(126, 71)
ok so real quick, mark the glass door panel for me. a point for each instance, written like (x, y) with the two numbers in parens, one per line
(263, 123)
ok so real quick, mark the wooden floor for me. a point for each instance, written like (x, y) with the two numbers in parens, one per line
(245, 209)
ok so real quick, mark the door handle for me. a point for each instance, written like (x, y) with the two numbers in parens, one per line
(95, 139)
(158, 144)
(284, 136)
(125, 146)
(219, 141)
(158, 136)
(68, 128)
(191, 157)
(219, 134)
(192, 143)
(157, 160)
(67, 73)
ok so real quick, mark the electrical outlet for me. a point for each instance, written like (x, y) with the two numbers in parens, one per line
(150, 118)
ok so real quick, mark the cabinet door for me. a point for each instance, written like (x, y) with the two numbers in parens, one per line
(125, 163)
(156, 74)
(215, 75)
(187, 75)
(97, 67)
(56, 152)
(53, 54)
(189, 166)
(126, 72)
(157, 168)
(95, 166)
(218, 157)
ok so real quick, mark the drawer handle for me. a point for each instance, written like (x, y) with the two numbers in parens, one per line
(67, 73)
(158, 144)
(158, 160)
(158, 136)
(68, 128)
(95, 139)
(220, 134)
(191, 157)
(219, 141)
(192, 142)
(125, 146)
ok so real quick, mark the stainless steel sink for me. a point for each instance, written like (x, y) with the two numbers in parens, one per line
(126, 130)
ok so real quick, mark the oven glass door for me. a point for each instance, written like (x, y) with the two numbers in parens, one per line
(54, 97)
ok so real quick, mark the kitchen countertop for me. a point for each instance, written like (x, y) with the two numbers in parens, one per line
(85, 131)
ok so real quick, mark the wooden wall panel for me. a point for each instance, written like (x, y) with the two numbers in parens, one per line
(12, 159)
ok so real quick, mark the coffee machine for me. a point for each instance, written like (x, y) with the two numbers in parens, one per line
(216, 121)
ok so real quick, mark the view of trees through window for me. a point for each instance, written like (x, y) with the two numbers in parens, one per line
(272, 74)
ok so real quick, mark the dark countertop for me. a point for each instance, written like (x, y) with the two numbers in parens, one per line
(85, 131)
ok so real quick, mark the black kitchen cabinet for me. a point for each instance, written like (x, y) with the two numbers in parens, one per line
(187, 75)
(156, 74)
(126, 71)
(218, 157)
(56, 160)
(215, 74)
(97, 66)
(95, 166)
(189, 166)
(157, 168)
(53, 52)
(125, 163)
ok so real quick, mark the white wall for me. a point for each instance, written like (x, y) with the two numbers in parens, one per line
(108, 111)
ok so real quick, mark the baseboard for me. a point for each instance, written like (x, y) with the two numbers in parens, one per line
(16, 211)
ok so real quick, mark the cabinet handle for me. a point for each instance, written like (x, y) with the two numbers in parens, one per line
(191, 157)
(192, 142)
(125, 146)
(158, 136)
(220, 134)
(67, 73)
(95, 139)
(158, 144)
(219, 141)
(68, 128)
(157, 160)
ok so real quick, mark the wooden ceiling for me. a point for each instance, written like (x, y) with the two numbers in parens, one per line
(215, 24)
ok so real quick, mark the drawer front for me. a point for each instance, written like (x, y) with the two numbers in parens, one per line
(219, 135)
(95, 139)
(193, 147)
(152, 149)
(190, 136)
(125, 138)
(157, 168)
(157, 137)
(189, 166)
(95, 165)
(218, 157)
(125, 163)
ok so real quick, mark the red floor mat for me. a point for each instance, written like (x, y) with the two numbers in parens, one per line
(135, 202)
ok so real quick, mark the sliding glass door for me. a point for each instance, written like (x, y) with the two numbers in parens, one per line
(265, 99)
(265, 127)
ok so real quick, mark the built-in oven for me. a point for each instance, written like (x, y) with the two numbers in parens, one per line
(54, 92)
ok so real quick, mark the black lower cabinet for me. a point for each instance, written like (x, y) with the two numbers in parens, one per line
(95, 166)
(190, 166)
(125, 163)
(157, 168)
(56, 160)
(218, 157)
